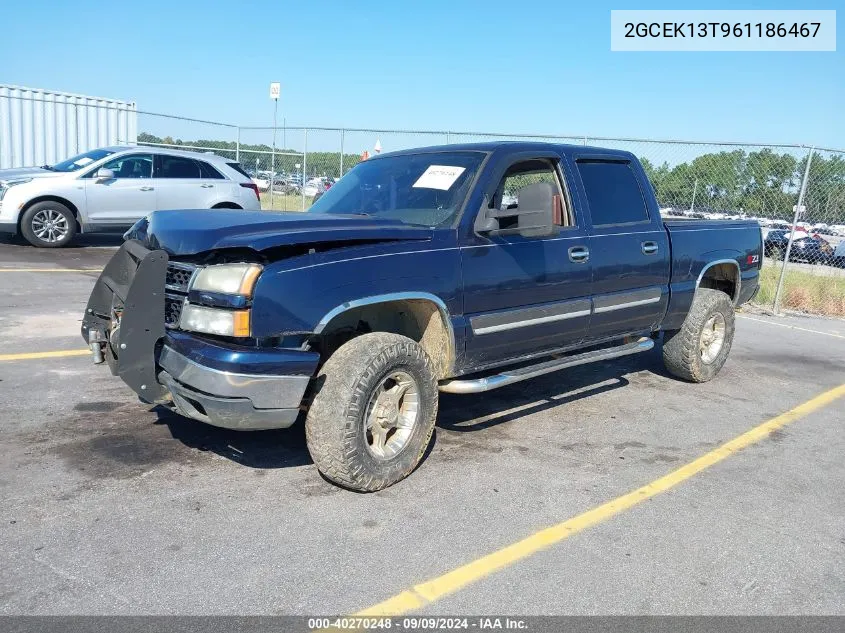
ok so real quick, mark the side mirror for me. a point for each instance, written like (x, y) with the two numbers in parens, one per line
(535, 215)
(104, 174)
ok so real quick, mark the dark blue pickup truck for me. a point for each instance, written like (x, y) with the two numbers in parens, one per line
(460, 269)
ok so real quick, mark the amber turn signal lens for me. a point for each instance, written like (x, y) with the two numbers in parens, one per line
(240, 323)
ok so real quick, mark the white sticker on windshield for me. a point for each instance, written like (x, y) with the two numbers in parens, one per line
(439, 177)
(83, 161)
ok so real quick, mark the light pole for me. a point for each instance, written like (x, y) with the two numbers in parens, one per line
(275, 91)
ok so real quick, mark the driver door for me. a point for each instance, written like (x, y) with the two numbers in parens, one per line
(526, 295)
(124, 199)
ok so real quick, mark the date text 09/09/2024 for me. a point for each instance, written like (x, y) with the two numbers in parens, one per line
(418, 623)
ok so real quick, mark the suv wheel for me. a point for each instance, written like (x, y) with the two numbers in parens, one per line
(373, 413)
(48, 224)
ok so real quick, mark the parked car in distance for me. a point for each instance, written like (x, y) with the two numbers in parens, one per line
(111, 188)
(285, 185)
(322, 187)
(262, 181)
(313, 186)
(839, 255)
(805, 248)
(413, 275)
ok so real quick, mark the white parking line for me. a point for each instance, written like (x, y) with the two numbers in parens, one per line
(792, 327)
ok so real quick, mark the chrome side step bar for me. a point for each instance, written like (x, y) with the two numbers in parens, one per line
(506, 377)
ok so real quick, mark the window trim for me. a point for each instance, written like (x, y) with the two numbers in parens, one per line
(601, 158)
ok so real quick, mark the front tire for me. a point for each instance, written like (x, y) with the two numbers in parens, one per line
(48, 224)
(373, 413)
(700, 348)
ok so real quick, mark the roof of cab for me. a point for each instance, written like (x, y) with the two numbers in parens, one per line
(512, 147)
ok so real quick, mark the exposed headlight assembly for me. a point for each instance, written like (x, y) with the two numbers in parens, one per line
(227, 287)
(219, 321)
(229, 279)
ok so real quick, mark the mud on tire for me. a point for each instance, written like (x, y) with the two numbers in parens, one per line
(683, 353)
(347, 390)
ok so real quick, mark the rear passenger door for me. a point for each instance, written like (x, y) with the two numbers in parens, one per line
(179, 183)
(629, 247)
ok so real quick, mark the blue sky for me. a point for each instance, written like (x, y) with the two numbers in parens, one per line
(485, 66)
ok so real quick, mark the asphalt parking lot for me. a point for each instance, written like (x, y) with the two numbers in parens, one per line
(111, 507)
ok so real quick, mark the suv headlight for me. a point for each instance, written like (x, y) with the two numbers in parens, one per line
(5, 186)
(228, 279)
(225, 287)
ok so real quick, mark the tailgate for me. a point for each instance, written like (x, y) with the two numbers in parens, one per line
(125, 316)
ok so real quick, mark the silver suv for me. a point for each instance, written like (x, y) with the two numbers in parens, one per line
(109, 189)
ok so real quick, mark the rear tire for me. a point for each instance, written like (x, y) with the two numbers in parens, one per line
(373, 413)
(48, 224)
(700, 348)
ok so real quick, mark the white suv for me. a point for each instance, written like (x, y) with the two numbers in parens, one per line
(109, 189)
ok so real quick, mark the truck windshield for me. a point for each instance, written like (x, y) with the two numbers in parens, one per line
(426, 189)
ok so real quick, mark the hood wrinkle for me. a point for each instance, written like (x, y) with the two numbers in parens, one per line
(190, 232)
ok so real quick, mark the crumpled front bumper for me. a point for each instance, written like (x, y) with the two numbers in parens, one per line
(228, 399)
(217, 382)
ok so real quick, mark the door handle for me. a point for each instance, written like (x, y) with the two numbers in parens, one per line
(579, 254)
(649, 248)
(146, 188)
(206, 186)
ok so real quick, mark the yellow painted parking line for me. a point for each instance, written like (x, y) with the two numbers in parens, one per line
(36, 355)
(51, 270)
(450, 582)
(792, 327)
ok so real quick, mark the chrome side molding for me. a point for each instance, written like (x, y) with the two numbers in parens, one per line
(507, 377)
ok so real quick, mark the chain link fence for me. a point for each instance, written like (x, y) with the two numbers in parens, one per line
(803, 231)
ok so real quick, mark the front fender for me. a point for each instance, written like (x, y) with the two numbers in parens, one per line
(296, 300)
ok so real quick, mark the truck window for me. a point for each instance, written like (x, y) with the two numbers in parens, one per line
(613, 192)
(527, 173)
